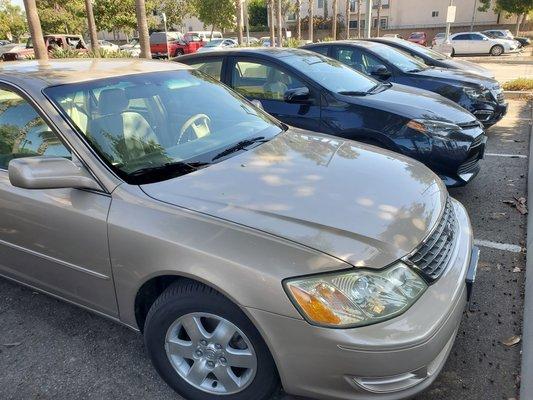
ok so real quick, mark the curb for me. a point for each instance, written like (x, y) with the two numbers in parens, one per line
(517, 95)
(526, 380)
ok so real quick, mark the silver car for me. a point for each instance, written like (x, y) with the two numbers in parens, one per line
(251, 255)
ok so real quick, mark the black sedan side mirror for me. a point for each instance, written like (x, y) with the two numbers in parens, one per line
(298, 95)
(381, 72)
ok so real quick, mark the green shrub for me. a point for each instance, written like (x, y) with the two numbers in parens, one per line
(519, 84)
(100, 53)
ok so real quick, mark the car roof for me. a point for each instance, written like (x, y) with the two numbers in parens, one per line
(270, 52)
(40, 74)
(360, 43)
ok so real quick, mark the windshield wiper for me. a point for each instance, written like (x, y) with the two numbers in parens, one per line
(242, 145)
(170, 169)
(352, 93)
(414, 70)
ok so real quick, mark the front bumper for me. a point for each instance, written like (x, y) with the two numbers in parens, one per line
(394, 359)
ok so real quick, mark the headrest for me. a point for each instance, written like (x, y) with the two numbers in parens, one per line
(112, 101)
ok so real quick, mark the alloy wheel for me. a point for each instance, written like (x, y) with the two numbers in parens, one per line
(211, 353)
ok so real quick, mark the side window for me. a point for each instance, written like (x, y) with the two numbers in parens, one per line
(462, 37)
(262, 81)
(213, 68)
(320, 50)
(23, 133)
(369, 62)
(476, 37)
(351, 56)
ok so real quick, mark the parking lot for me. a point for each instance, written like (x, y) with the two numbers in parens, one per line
(52, 350)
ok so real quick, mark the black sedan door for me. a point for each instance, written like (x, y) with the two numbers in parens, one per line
(271, 83)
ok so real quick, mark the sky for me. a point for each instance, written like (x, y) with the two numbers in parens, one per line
(18, 3)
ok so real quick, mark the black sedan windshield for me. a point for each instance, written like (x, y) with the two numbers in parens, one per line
(154, 126)
(398, 58)
(331, 74)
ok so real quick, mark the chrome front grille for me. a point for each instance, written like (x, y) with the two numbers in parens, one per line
(433, 255)
(469, 165)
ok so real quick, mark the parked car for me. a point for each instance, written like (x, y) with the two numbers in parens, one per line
(309, 91)
(4, 42)
(16, 47)
(514, 42)
(171, 44)
(482, 96)
(245, 251)
(52, 42)
(438, 39)
(107, 45)
(131, 44)
(393, 35)
(206, 36)
(433, 58)
(479, 43)
(418, 37)
(506, 34)
(265, 41)
(218, 44)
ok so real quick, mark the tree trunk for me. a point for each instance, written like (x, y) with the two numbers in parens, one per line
(272, 24)
(358, 19)
(91, 25)
(518, 22)
(378, 25)
(142, 26)
(298, 19)
(34, 23)
(334, 21)
(311, 20)
(347, 19)
(238, 10)
(280, 25)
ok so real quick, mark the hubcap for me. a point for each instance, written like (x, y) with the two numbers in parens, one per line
(211, 353)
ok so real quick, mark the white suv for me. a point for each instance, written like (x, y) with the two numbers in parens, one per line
(479, 43)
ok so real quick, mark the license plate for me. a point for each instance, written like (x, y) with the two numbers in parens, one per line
(471, 273)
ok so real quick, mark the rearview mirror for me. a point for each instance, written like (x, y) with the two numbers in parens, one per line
(49, 173)
(380, 72)
(297, 95)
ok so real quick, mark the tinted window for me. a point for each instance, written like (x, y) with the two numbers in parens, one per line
(23, 133)
(321, 50)
(260, 80)
(211, 67)
(396, 57)
(462, 37)
(146, 126)
(330, 73)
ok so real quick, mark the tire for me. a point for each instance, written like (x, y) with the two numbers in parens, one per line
(192, 304)
(453, 53)
(179, 52)
(496, 50)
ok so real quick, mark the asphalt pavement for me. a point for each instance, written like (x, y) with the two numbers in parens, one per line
(53, 350)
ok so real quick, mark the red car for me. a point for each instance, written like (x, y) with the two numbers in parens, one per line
(418, 38)
(52, 42)
(176, 42)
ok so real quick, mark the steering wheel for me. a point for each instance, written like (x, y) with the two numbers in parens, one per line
(197, 122)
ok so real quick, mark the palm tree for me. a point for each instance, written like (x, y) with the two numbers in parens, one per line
(91, 24)
(347, 19)
(358, 19)
(311, 19)
(142, 26)
(238, 10)
(379, 17)
(334, 21)
(34, 23)
(272, 23)
(298, 19)
(280, 25)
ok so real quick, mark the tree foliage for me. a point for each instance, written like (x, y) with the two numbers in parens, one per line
(60, 16)
(510, 6)
(258, 13)
(12, 21)
(216, 13)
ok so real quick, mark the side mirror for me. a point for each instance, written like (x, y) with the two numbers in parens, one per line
(49, 173)
(380, 72)
(297, 95)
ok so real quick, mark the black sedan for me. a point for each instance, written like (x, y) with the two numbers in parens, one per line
(313, 92)
(481, 96)
(433, 58)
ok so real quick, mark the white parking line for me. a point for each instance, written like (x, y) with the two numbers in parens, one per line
(506, 155)
(498, 246)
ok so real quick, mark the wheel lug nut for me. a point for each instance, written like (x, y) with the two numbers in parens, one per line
(217, 346)
(210, 364)
(223, 360)
(198, 353)
(203, 342)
